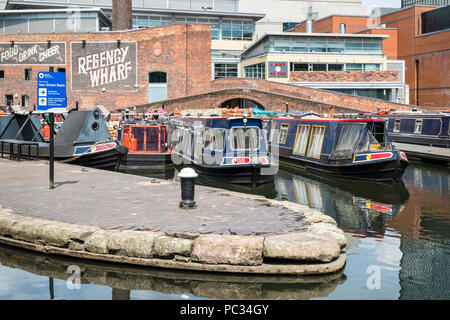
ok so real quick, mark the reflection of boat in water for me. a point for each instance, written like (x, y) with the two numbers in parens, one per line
(167, 173)
(83, 138)
(355, 148)
(200, 284)
(350, 206)
(232, 150)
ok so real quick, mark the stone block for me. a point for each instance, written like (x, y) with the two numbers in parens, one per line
(132, 243)
(302, 246)
(329, 230)
(228, 249)
(169, 246)
(97, 242)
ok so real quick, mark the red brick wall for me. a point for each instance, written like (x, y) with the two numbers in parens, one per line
(343, 76)
(183, 51)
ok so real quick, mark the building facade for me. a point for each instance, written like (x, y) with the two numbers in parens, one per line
(111, 68)
(346, 63)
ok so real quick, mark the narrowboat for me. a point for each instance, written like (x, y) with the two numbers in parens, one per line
(225, 149)
(82, 139)
(421, 135)
(147, 145)
(354, 148)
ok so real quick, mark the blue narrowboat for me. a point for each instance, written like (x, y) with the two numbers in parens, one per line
(355, 148)
(231, 150)
(421, 135)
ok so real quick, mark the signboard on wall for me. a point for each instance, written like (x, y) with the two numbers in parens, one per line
(33, 53)
(278, 69)
(108, 65)
(51, 91)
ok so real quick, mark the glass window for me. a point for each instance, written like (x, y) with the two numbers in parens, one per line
(61, 69)
(315, 145)
(255, 71)
(317, 46)
(335, 67)
(225, 70)
(244, 138)
(25, 101)
(214, 139)
(397, 125)
(157, 77)
(28, 73)
(299, 66)
(371, 67)
(353, 47)
(2, 74)
(353, 67)
(283, 133)
(301, 140)
(349, 139)
(319, 67)
(418, 126)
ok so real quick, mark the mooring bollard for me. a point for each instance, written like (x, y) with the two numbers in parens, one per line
(187, 176)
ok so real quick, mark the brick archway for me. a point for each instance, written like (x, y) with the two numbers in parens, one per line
(222, 100)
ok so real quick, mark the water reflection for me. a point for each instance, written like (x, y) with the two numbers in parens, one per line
(125, 280)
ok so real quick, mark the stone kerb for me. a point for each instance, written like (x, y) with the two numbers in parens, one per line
(322, 244)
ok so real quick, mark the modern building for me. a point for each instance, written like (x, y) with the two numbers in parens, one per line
(347, 63)
(434, 3)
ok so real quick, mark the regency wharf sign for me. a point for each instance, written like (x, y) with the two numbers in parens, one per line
(109, 65)
(35, 53)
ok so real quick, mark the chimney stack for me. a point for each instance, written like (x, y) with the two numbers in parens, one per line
(121, 15)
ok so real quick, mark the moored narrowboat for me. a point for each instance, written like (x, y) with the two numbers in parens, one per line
(421, 135)
(231, 150)
(355, 148)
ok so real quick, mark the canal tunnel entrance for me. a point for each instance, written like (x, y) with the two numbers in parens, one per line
(241, 103)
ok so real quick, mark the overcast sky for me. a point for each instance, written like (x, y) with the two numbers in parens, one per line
(382, 3)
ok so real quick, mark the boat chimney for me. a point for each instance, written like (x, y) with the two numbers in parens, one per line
(121, 15)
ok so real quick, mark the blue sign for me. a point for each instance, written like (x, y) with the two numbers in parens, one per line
(51, 92)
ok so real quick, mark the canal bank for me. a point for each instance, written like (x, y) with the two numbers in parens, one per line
(108, 216)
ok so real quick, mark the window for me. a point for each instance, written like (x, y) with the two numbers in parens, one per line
(237, 30)
(9, 100)
(2, 74)
(289, 25)
(301, 140)
(225, 70)
(28, 74)
(348, 141)
(319, 67)
(272, 131)
(299, 66)
(354, 67)
(214, 139)
(335, 67)
(315, 144)
(244, 138)
(397, 125)
(418, 126)
(25, 101)
(61, 69)
(256, 71)
(157, 77)
(371, 67)
(51, 69)
(283, 133)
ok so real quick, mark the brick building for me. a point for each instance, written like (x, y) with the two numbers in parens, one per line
(111, 68)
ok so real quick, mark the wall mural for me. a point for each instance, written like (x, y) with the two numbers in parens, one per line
(109, 65)
(36, 53)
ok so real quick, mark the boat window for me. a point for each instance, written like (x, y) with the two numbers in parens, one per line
(418, 126)
(397, 125)
(214, 139)
(245, 138)
(301, 140)
(283, 133)
(273, 127)
(187, 141)
(315, 145)
(348, 141)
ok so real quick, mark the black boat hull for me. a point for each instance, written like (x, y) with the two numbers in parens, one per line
(146, 160)
(232, 174)
(384, 171)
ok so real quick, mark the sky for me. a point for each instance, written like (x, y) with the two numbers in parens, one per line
(382, 3)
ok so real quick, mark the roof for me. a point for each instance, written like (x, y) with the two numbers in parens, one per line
(35, 11)
(305, 34)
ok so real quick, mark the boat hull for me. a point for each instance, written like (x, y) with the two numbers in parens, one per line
(232, 174)
(147, 160)
(389, 170)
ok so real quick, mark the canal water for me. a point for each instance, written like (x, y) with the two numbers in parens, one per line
(398, 248)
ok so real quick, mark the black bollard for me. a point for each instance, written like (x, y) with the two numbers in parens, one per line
(187, 176)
